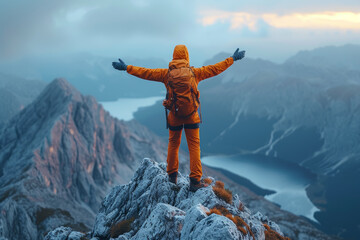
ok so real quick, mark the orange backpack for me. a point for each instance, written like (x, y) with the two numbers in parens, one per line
(182, 97)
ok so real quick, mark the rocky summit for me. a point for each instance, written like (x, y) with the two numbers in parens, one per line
(150, 207)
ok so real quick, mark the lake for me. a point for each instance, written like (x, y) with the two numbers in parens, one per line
(288, 180)
(124, 108)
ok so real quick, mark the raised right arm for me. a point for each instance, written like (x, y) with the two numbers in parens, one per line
(157, 74)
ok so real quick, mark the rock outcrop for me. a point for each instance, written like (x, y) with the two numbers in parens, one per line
(158, 209)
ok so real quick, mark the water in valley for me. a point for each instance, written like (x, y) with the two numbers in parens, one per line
(288, 180)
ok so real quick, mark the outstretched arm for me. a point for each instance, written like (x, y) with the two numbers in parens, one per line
(213, 70)
(157, 74)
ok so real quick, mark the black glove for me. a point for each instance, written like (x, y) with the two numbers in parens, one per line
(120, 65)
(238, 55)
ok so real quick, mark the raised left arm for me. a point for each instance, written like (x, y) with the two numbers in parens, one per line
(213, 70)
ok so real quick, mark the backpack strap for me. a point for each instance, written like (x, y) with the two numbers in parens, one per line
(200, 112)
(192, 71)
(197, 99)
(166, 116)
(167, 97)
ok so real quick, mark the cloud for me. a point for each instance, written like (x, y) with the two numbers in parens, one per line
(127, 19)
(145, 28)
(45, 26)
(317, 20)
(24, 22)
(281, 7)
(250, 25)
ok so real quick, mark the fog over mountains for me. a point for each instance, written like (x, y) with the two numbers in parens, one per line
(16, 93)
(92, 75)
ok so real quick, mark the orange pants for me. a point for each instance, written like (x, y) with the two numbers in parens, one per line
(193, 141)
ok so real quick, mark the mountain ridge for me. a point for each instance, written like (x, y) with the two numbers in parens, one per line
(59, 156)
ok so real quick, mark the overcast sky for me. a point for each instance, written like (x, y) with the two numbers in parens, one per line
(269, 29)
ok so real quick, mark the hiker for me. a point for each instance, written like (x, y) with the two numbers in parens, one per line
(183, 102)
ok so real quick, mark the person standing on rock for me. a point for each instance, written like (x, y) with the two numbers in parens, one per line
(182, 101)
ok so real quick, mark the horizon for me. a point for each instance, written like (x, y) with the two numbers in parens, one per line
(62, 56)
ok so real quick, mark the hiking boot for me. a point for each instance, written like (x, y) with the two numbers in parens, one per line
(173, 177)
(195, 185)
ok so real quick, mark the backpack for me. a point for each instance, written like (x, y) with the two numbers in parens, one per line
(182, 97)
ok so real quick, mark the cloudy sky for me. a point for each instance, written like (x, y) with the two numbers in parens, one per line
(269, 29)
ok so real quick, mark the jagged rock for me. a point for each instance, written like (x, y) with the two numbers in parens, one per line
(64, 233)
(216, 227)
(193, 216)
(162, 210)
(16, 213)
(266, 220)
(164, 222)
(60, 233)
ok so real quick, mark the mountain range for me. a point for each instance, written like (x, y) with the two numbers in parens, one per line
(63, 152)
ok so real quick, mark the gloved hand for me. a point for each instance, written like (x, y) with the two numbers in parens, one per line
(120, 65)
(238, 55)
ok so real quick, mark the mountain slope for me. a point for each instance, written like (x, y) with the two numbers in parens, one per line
(58, 158)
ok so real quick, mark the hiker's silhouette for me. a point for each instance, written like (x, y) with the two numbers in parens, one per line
(183, 103)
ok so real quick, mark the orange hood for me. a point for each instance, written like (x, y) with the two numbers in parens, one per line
(180, 57)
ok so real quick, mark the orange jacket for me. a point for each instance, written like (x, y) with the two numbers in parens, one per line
(180, 59)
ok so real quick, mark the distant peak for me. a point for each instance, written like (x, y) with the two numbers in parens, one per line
(344, 57)
(62, 84)
(58, 89)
